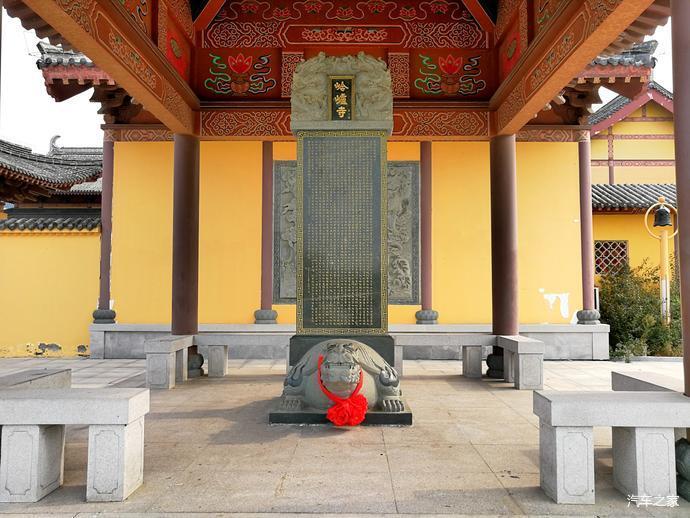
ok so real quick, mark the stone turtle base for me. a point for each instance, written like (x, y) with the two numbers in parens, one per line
(373, 417)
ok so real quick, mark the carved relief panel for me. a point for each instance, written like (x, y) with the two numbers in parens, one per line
(403, 232)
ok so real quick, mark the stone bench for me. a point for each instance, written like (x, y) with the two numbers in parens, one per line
(643, 441)
(645, 381)
(650, 382)
(37, 378)
(33, 440)
(166, 361)
(523, 361)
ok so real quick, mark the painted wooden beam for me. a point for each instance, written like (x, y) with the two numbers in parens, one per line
(483, 19)
(207, 14)
(106, 33)
(578, 32)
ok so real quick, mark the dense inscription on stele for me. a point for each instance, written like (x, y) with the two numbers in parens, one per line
(341, 233)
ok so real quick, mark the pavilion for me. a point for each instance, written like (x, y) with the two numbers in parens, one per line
(488, 81)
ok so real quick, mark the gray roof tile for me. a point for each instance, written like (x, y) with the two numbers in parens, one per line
(617, 103)
(51, 223)
(635, 197)
(61, 168)
(55, 55)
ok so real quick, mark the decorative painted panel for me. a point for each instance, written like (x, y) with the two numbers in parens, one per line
(510, 50)
(451, 73)
(403, 232)
(411, 23)
(177, 49)
(231, 73)
(391, 30)
(442, 122)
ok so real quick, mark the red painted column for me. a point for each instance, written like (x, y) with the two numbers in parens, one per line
(588, 315)
(266, 315)
(427, 315)
(504, 240)
(104, 315)
(680, 16)
(185, 267)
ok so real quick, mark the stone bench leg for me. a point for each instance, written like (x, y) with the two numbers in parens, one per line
(644, 461)
(116, 461)
(508, 366)
(181, 357)
(31, 462)
(566, 463)
(217, 361)
(472, 361)
(529, 371)
(160, 370)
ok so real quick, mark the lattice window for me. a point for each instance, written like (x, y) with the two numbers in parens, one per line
(610, 256)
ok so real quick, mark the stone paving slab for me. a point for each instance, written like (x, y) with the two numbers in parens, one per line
(473, 449)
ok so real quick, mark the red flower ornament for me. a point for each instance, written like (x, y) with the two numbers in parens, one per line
(450, 65)
(345, 412)
(240, 64)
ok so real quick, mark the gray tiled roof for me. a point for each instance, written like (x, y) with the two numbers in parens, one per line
(55, 55)
(617, 103)
(663, 91)
(94, 187)
(628, 196)
(51, 223)
(639, 55)
(60, 168)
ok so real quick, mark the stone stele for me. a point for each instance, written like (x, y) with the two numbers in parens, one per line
(344, 361)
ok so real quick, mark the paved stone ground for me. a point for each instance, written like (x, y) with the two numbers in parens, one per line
(473, 449)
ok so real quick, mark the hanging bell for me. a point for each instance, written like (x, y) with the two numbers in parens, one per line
(662, 217)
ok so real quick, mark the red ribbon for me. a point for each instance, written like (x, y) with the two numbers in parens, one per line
(345, 412)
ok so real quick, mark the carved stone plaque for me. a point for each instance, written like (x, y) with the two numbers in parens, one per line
(403, 232)
(341, 225)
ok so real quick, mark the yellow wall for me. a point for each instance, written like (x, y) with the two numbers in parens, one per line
(141, 264)
(229, 240)
(629, 227)
(549, 232)
(49, 283)
(230, 221)
(637, 149)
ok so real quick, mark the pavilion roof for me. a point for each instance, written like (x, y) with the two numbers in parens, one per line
(630, 197)
(639, 55)
(25, 175)
(616, 109)
(56, 55)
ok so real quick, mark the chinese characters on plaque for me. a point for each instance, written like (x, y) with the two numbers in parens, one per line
(342, 98)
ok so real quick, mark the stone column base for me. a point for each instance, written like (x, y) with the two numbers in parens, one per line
(495, 363)
(426, 316)
(265, 316)
(588, 317)
(104, 316)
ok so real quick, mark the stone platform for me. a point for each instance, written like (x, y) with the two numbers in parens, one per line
(472, 450)
(418, 342)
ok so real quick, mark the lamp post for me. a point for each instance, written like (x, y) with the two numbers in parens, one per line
(662, 220)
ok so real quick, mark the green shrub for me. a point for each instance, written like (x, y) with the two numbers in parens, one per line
(629, 300)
